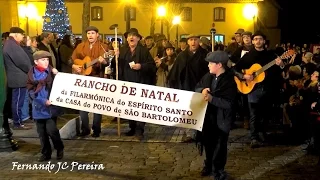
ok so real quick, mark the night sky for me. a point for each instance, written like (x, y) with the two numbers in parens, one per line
(299, 22)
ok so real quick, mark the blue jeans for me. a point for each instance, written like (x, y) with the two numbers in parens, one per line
(25, 109)
(18, 98)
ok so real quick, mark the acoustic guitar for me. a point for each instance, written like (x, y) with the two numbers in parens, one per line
(258, 72)
(86, 64)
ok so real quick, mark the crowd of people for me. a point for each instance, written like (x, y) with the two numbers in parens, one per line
(290, 85)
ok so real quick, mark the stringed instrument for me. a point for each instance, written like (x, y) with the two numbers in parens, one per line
(258, 72)
(86, 64)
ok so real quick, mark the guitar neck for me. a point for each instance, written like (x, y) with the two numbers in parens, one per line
(93, 62)
(266, 67)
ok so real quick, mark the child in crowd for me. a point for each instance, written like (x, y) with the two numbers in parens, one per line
(40, 79)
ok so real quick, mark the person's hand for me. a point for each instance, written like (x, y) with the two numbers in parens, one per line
(313, 105)
(77, 68)
(206, 95)
(55, 71)
(248, 77)
(102, 60)
(116, 51)
(136, 66)
(157, 60)
(48, 103)
(279, 61)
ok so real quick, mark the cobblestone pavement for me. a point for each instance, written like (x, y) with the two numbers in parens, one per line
(153, 133)
(163, 161)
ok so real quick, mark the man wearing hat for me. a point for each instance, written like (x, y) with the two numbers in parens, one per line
(94, 49)
(219, 90)
(260, 98)
(135, 65)
(242, 105)
(17, 65)
(233, 46)
(183, 45)
(46, 44)
(149, 42)
(39, 84)
(187, 71)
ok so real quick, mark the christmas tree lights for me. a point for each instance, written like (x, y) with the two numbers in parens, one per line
(56, 18)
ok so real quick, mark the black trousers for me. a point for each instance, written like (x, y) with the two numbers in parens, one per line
(216, 149)
(137, 126)
(7, 111)
(259, 114)
(48, 128)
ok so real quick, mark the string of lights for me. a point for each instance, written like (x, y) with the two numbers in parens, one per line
(56, 18)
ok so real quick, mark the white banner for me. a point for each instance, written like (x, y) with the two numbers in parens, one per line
(133, 101)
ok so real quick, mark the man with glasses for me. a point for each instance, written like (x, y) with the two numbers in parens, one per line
(17, 65)
(259, 98)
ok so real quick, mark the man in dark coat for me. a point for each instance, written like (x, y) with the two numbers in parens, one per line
(261, 98)
(190, 66)
(135, 65)
(47, 39)
(17, 65)
(219, 89)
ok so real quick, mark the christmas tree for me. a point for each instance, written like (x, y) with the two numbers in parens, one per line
(56, 18)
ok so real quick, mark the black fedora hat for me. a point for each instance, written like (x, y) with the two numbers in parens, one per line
(132, 31)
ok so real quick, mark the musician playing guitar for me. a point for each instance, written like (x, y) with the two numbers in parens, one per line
(93, 49)
(259, 98)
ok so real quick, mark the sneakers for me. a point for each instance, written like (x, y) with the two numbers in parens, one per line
(21, 127)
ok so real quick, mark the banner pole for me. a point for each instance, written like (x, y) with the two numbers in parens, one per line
(117, 75)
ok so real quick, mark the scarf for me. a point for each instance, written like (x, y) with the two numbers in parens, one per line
(36, 85)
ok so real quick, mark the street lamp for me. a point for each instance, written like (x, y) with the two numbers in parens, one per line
(176, 21)
(161, 13)
(29, 12)
(127, 9)
(250, 11)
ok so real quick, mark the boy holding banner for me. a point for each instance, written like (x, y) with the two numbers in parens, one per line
(219, 90)
(40, 79)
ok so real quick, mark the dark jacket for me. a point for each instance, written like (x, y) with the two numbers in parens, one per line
(273, 78)
(220, 109)
(219, 112)
(29, 52)
(43, 47)
(147, 73)
(65, 53)
(188, 69)
(17, 64)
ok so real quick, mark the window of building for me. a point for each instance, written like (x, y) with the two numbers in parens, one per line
(219, 38)
(96, 13)
(110, 36)
(219, 14)
(186, 14)
(133, 13)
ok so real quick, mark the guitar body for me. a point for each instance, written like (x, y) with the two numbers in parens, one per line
(245, 87)
(86, 70)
